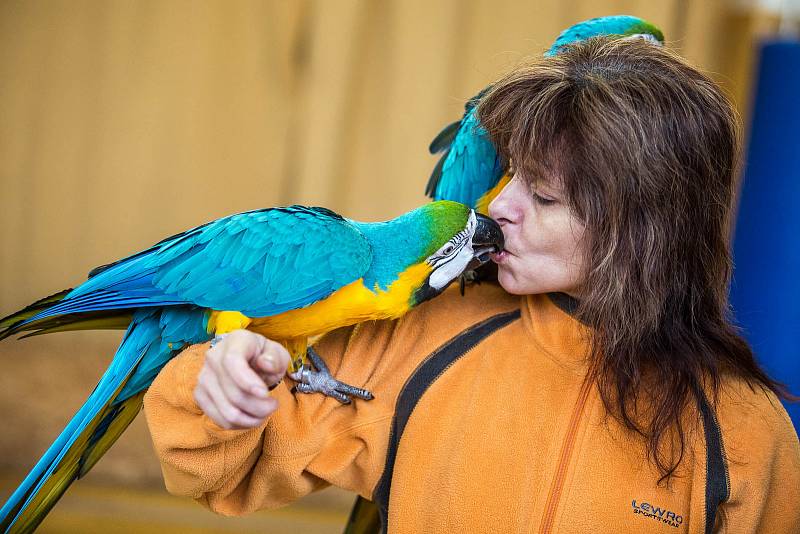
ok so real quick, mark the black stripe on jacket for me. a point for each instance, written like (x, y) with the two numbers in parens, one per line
(368, 516)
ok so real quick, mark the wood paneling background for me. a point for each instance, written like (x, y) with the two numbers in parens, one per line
(122, 122)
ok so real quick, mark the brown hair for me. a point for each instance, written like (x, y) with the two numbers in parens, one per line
(645, 148)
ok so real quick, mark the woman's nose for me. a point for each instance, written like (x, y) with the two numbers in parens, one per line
(502, 209)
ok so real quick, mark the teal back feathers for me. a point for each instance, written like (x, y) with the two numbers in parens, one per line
(469, 165)
(409, 239)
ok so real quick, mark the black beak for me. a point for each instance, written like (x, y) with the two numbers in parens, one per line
(487, 239)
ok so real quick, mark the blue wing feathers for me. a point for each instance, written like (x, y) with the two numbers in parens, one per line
(261, 263)
(470, 165)
(445, 138)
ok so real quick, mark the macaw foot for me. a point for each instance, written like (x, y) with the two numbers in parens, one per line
(467, 277)
(321, 381)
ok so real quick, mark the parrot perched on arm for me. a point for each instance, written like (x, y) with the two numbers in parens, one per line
(288, 273)
(470, 170)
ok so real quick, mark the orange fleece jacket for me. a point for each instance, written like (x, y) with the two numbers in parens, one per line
(496, 432)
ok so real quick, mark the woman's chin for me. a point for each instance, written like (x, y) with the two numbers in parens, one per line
(507, 281)
(520, 285)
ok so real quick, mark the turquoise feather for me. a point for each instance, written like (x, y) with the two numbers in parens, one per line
(470, 165)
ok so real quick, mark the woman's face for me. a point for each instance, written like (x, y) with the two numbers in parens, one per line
(543, 251)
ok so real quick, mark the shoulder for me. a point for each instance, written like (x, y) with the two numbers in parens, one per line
(478, 302)
(760, 465)
(420, 331)
(750, 413)
(758, 438)
(443, 316)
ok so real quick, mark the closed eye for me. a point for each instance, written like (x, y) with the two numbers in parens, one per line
(544, 201)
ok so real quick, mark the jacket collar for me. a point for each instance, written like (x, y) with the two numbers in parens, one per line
(565, 303)
(549, 321)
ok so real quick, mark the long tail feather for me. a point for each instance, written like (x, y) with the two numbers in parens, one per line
(99, 321)
(153, 337)
(80, 457)
(91, 431)
(105, 320)
(33, 309)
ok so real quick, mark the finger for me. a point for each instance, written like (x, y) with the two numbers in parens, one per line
(272, 379)
(256, 405)
(266, 358)
(232, 416)
(205, 403)
(235, 367)
(262, 408)
(212, 357)
(273, 361)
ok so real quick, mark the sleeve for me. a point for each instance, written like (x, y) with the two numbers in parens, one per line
(310, 442)
(763, 455)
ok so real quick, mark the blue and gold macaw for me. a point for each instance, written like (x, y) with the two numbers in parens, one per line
(289, 273)
(470, 170)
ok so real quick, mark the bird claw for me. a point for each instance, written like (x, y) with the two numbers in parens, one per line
(321, 381)
(467, 277)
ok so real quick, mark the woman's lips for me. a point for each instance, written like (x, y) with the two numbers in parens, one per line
(500, 257)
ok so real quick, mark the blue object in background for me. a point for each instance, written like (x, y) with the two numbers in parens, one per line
(765, 293)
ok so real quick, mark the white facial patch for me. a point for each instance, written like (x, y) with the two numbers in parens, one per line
(646, 36)
(450, 261)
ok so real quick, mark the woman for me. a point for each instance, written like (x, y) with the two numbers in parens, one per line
(609, 395)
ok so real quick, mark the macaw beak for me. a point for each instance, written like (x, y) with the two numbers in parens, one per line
(487, 239)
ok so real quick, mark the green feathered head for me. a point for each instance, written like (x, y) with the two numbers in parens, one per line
(447, 236)
(440, 221)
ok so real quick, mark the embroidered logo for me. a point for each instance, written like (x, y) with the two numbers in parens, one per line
(655, 512)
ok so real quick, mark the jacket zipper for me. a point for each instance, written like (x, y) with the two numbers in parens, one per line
(563, 460)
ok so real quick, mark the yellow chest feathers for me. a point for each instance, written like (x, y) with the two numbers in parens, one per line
(350, 304)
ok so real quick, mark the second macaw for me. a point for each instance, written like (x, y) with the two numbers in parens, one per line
(470, 170)
(289, 273)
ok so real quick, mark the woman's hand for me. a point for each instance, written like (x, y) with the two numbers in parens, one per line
(232, 388)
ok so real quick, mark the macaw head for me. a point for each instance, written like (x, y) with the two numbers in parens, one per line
(625, 26)
(458, 239)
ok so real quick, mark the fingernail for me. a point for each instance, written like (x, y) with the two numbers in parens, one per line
(267, 363)
(258, 391)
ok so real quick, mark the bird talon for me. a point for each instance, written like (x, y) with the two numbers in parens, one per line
(321, 381)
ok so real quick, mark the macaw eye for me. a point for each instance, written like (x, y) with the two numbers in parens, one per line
(448, 250)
